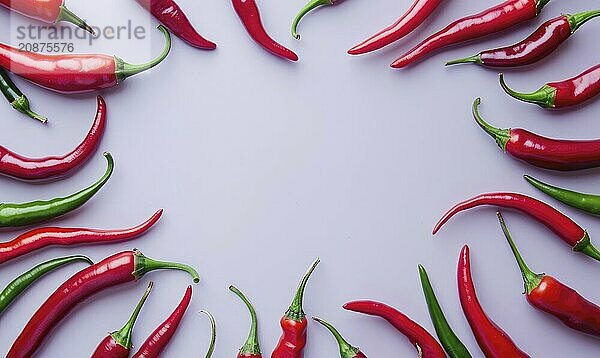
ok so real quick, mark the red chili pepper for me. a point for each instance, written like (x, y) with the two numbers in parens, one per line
(48, 11)
(495, 19)
(543, 152)
(50, 236)
(413, 18)
(115, 270)
(118, 344)
(159, 339)
(567, 93)
(294, 324)
(424, 342)
(565, 228)
(552, 296)
(38, 169)
(73, 73)
(492, 340)
(249, 13)
(537, 46)
(171, 15)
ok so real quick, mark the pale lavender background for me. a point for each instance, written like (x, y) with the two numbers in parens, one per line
(261, 165)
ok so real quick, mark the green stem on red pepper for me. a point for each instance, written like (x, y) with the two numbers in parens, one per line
(251, 346)
(312, 4)
(213, 334)
(346, 349)
(16, 98)
(123, 336)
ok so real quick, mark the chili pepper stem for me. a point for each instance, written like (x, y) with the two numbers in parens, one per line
(123, 336)
(313, 4)
(21, 104)
(143, 265)
(125, 70)
(501, 136)
(68, 16)
(543, 97)
(540, 5)
(251, 346)
(213, 334)
(530, 278)
(577, 20)
(586, 247)
(296, 312)
(346, 349)
(471, 59)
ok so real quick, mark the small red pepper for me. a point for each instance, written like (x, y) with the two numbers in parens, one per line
(294, 324)
(38, 239)
(492, 340)
(118, 269)
(74, 73)
(249, 13)
(413, 18)
(567, 93)
(543, 152)
(48, 11)
(500, 17)
(565, 228)
(39, 169)
(424, 342)
(552, 296)
(171, 15)
(118, 344)
(160, 338)
(547, 38)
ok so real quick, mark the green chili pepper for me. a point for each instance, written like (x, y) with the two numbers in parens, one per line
(14, 215)
(453, 346)
(16, 98)
(21, 283)
(586, 202)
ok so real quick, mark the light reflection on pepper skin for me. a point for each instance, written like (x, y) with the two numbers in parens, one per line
(578, 89)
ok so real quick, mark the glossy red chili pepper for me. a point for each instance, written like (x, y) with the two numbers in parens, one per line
(567, 93)
(159, 339)
(115, 270)
(424, 342)
(38, 239)
(543, 152)
(413, 18)
(492, 340)
(565, 228)
(74, 73)
(171, 15)
(249, 13)
(495, 19)
(118, 344)
(48, 11)
(552, 296)
(294, 324)
(38, 169)
(537, 46)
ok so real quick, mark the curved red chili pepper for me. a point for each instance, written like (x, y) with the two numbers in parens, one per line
(115, 270)
(495, 19)
(37, 169)
(565, 228)
(171, 15)
(492, 340)
(413, 18)
(159, 339)
(249, 13)
(551, 296)
(48, 11)
(118, 344)
(50, 236)
(294, 324)
(567, 93)
(543, 152)
(547, 38)
(74, 73)
(424, 342)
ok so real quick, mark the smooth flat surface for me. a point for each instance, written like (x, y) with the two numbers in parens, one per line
(262, 165)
